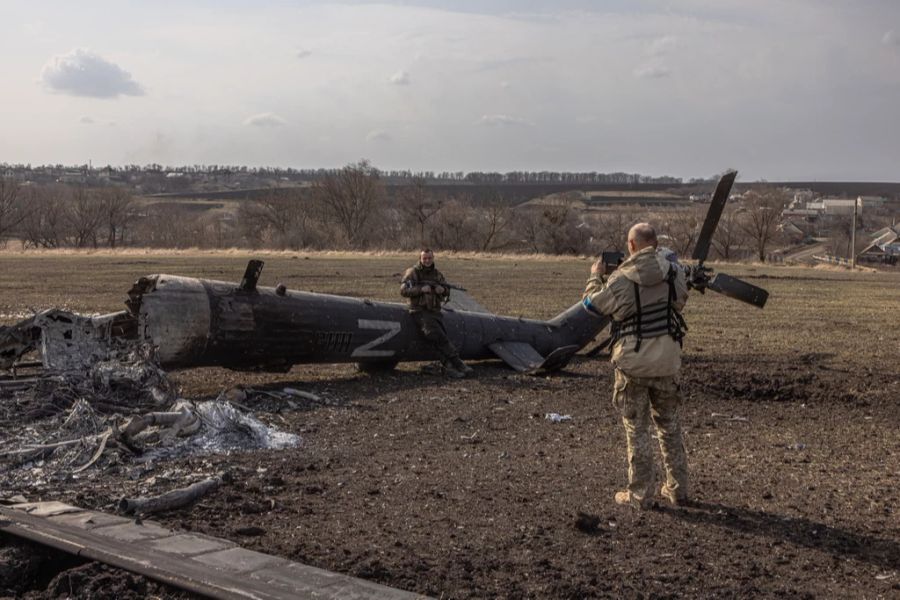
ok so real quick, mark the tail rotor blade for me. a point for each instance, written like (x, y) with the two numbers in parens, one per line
(716, 206)
(738, 289)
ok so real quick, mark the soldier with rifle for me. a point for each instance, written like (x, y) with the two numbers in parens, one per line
(644, 297)
(427, 290)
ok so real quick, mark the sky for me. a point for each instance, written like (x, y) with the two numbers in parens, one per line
(778, 89)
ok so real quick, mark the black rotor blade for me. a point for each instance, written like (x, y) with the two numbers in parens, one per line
(738, 289)
(701, 249)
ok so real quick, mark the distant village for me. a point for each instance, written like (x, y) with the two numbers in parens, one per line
(808, 214)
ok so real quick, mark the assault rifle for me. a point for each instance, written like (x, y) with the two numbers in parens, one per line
(431, 299)
(448, 285)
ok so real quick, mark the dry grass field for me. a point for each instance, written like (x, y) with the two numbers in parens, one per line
(462, 489)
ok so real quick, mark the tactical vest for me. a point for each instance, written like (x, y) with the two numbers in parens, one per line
(651, 321)
(416, 276)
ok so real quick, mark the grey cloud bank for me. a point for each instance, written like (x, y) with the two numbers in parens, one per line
(805, 89)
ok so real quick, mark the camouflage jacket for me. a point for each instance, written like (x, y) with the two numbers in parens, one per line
(658, 356)
(411, 287)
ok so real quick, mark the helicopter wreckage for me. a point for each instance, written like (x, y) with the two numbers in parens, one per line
(190, 322)
(195, 322)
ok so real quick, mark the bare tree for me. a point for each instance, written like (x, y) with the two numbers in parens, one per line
(557, 225)
(118, 209)
(553, 228)
(418, 206)
(611, 230)
(453, 226)
(167, 225)
(84, 214)
(12, 206)
(44, 225)
(683, 228)
(349, 198)
(528, 227)
(728, 236)
(211, 230)
(281, 217)
(761, 217)
(493, 219)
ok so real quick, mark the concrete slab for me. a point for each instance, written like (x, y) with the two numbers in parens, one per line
(188, 544)
(239, 560)
(209, 566)
(317, 583)
(46, 509)
(89, 520)
(132, 532)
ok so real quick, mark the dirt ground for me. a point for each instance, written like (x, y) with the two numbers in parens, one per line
(463, 489)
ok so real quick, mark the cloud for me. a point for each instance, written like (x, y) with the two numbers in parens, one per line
(83, 73)
(502, 121)
(378, 135)
(400, 78)
(87, 120)
(661, 46)
(890, 38)
(512, 62)
(265, 120)
(303, 53)
(652, 72)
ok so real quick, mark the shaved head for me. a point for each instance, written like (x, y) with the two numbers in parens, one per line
(641, 236)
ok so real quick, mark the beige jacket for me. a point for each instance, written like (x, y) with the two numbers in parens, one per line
(658, 356)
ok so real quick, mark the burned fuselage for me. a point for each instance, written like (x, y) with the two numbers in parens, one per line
(195, 322)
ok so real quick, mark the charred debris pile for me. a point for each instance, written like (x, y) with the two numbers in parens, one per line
(80, 397)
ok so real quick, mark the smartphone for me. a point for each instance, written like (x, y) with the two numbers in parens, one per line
(612, 259)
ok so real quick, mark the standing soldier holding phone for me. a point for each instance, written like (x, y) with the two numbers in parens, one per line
(644, 297)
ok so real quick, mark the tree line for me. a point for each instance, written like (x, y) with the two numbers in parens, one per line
(353, 208)
(27, 171)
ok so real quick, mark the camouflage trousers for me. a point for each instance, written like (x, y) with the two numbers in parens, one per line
(431, 324)
(640, 399)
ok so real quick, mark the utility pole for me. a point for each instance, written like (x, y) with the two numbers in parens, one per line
(853, 237)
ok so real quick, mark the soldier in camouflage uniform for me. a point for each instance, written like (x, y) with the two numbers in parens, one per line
(644, 298)
(424, 285)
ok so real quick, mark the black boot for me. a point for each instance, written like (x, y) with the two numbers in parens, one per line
(460, 366)
(451, 371)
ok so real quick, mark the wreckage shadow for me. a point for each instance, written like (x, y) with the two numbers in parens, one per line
(486, 372)
(345, 387)
(796, 530)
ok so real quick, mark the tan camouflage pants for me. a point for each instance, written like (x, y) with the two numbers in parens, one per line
(639, 399)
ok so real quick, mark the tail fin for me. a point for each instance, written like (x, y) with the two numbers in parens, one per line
(460, 300)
